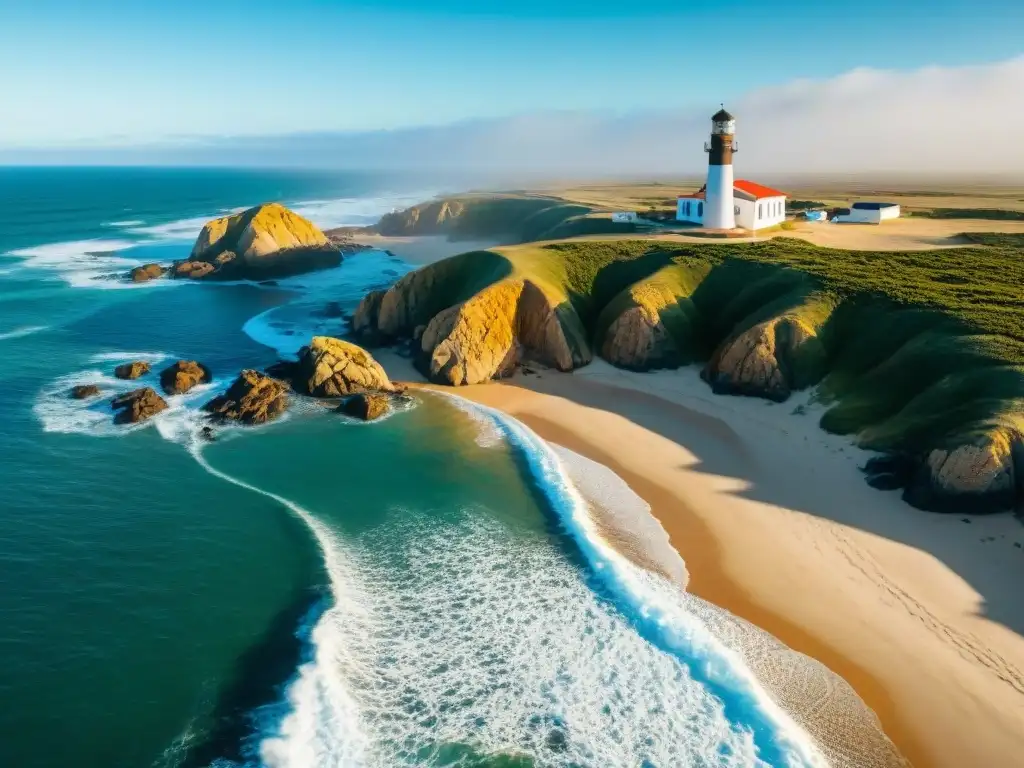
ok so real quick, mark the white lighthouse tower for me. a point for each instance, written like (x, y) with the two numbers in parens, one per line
(719, 212)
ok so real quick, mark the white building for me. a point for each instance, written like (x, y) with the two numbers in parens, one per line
(754, 206)
(624, 217)
(723, 203)
(868, 213)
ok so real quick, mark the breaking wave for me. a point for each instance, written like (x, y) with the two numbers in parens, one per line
(26, 330)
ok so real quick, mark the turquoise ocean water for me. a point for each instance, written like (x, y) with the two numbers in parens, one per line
(426, 590)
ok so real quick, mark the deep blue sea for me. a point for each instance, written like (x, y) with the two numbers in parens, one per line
(428, 590)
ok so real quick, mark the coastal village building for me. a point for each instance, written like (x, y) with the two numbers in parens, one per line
(724, 202)
(867, 213)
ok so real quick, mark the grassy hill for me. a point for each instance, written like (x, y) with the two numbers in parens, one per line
(918, 354)
(511, 218)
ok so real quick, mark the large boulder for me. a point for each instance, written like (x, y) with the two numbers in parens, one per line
(182, 376)
(262, 242)
(330, 367)
(146, 272)
(980, 475)
(366, 406)
(132, 370)
(137, 405)
(251, 399)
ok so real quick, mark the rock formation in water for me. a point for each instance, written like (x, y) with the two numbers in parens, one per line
(330, 367)
(251, 399)
(194, 270)
(146, 273)
(132, 370)
(262, 242)
(180, 377)
(84, 391)
(137, 405)
(366, 406)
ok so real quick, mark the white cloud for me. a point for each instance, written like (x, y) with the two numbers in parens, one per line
(934, 119)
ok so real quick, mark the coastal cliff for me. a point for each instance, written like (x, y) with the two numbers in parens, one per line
(263, 242)
(911, 359)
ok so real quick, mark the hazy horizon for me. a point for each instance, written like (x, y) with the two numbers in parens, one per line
(535, 89)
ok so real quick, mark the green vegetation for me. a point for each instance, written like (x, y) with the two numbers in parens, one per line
(913, 350)
(998, 239)
(995, 214)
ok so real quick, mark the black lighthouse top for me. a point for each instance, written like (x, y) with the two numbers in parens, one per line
(722, 116)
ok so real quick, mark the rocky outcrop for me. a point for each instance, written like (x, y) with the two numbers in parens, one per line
(251, 399)
(330, 367)
(262, 242)
(486, 336)
(132, 370)
(182, 376)
(431, 218)
(146, 273)
(84, 391)
(980, 476)
(762, 360)
(654, 323)
(638, 340)
(366, 406)
(365, 319)
(193, 270)
(137, 405)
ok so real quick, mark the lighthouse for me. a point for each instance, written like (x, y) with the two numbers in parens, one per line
(719, 213)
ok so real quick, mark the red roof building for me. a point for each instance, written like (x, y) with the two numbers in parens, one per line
(755, 206)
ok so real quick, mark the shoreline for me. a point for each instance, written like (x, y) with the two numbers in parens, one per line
(905, 630)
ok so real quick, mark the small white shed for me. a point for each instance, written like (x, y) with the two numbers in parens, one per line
(624, 217)
(868, 212)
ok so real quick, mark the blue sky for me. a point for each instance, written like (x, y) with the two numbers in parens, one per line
(136, 72)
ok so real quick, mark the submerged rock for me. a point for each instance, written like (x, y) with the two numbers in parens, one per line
(182, 376)
(259, 243)
(137, 405)
(132, 370)
(252, 399)
(84, 391)
(146, 272)
(330, 367)
(366, 406)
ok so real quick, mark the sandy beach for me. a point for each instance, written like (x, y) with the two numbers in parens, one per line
(919, 612)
